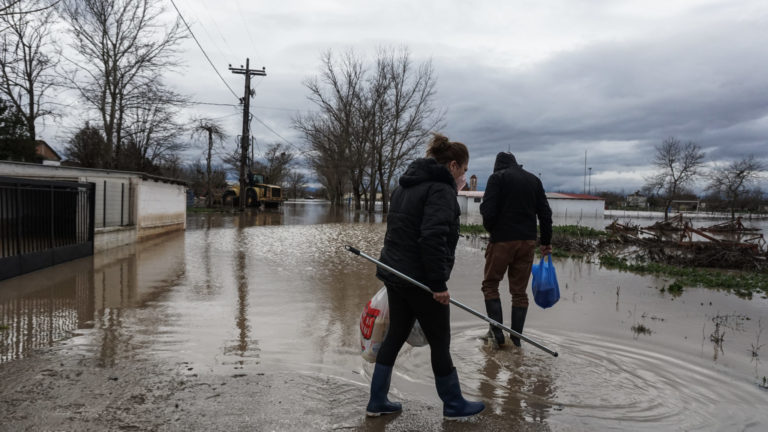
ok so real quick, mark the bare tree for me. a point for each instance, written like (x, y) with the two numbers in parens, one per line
(215, 133)
(123, 51)
(336, 145)
(297, 182)
(407, 115)
(26, 68)
(678, 165)
(370, 125)
(150, 131)
(276, 162)
(23, 7)
(732, 181)
(327, 155)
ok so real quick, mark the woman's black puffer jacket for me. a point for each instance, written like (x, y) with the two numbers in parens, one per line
(422, 226)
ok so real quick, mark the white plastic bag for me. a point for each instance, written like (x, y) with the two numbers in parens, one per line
(374, 323)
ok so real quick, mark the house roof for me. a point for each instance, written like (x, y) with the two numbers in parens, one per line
(41, 147)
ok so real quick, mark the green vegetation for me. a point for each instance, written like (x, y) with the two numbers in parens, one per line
(565, 230)
(641, 329)
(570, 241)
(578, 231)
(675, 288)
(472, 230)
(743, 284)
(4, 327)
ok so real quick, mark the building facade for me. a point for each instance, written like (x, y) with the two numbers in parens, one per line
(128, 206)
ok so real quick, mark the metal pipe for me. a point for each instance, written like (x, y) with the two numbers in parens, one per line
(454, 302)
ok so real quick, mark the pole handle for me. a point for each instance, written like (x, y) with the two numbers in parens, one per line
(452, 301)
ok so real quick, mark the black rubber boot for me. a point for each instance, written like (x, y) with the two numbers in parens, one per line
(455, 407)
(518, 320)
(378, 403)
(493, 307)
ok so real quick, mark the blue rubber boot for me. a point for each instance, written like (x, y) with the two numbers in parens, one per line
(378, 404)
(455, 407)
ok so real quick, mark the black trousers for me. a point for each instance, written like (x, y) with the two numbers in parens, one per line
(407, 304)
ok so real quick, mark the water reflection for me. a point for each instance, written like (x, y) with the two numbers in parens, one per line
(520, 391)
(40, 308)
(93, 293)
(308, 212)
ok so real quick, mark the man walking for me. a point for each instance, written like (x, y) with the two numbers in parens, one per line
(513, 200)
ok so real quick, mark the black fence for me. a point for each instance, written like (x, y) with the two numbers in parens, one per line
(43, 223)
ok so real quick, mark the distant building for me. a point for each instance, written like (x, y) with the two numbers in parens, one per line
(46, 153)
(636, 200)
(473, 183)
(563, 205)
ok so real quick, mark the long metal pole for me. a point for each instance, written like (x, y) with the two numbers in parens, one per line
(454, 302)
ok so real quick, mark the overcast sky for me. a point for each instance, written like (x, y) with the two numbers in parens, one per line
(548, 80)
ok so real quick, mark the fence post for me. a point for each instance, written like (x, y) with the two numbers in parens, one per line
(122, 202)
(18, 219)
(52, 216)
(104, 206)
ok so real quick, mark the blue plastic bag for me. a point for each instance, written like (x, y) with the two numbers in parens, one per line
(546, 291)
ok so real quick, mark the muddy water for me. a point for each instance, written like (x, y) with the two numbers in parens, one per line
(270, 292)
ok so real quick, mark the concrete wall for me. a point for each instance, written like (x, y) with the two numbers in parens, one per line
(161, 207)
(128, 206)
(572, 208)
(562, 208)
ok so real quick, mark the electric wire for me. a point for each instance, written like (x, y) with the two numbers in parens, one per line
(203, 50)
(273, 131)
(208, 33)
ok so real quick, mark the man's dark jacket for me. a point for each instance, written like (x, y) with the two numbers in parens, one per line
(422, 226)
(513, 199)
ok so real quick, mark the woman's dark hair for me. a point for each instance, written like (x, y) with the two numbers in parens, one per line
(445, 151)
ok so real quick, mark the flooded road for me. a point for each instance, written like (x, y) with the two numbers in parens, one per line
(274, 298)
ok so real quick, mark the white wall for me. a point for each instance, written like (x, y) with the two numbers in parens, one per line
(143, 205)
(160, 207)
(561, 208)
(573, 208)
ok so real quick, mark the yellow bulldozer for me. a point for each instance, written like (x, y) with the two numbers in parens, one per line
(257, 193)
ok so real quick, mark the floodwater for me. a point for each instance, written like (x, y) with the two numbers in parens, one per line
(276, 291)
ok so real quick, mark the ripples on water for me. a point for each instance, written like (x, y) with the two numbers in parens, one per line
(277, 291)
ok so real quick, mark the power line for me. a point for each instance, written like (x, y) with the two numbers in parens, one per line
(201, 49)
(214, 104)
(273, 131)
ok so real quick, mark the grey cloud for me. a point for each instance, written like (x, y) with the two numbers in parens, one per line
(707, 86)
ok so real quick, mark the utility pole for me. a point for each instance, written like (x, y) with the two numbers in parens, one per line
(589, 184)
(246, 101)
(584, 190)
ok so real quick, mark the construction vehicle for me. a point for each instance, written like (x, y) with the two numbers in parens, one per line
(257, 192)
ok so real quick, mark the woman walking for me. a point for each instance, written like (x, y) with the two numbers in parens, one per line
(421, 237)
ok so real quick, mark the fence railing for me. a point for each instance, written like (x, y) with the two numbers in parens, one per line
(43, 223)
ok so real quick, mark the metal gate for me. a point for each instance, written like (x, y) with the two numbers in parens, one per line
(43, 223)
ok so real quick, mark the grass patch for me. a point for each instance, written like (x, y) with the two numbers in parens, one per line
(472, 230)
(578, 231)
(743, 284)
(566, 230)
(639, 329)
(675, 288)
(4, 327)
